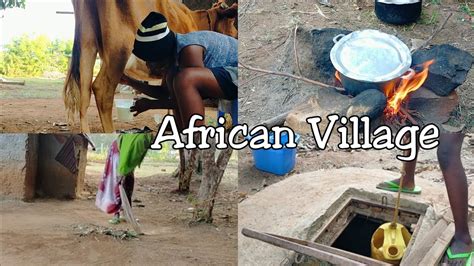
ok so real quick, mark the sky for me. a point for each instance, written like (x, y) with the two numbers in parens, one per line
(38, 18)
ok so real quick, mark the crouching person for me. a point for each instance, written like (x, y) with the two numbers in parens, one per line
(197, 65)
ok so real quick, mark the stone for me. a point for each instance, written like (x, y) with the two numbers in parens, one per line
(324, 103)
(431, 108)
(449, 70)
(369, 103)
(322, 44)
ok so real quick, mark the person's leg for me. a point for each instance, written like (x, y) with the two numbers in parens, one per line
(408, 170)
(128, 184)
(177, 115)
(190, 86)
(449, 158)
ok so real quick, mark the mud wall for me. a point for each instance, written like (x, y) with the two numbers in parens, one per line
(18, 166)
(28, 167)
(53, 179)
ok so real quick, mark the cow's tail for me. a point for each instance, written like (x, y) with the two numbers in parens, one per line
(71, 91)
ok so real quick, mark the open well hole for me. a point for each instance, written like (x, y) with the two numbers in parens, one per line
(356, 236)
(352, 225)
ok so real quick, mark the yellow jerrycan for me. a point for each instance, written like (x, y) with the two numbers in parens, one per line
(389, 242)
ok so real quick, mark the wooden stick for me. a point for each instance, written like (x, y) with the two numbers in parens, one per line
(435, 254)
(296, 52)
(305, 12)
(434, 33)
(397, 205)
(320, 11)
(13, 82)
(288, 75)
(245, 82)
(408, 116)
(65, 12)
(318, 251)
(424, 244)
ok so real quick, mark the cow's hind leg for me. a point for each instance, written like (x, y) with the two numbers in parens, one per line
(104, 88)
(88, 57)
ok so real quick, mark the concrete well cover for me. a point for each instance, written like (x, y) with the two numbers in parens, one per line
(291, 206)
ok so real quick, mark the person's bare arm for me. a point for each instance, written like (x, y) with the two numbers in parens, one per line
(191, 56)
(143, 104)
(152, 91)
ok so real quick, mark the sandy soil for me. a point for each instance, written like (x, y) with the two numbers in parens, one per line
(43, 116)
(42, 111)
(251, 180)
(45, 232)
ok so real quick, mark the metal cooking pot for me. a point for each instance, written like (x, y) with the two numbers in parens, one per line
(370, 59)
(398, 12)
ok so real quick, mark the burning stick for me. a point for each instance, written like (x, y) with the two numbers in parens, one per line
(407, 115)
(398, 93)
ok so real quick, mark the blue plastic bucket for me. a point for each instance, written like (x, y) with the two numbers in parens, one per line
(275, 161)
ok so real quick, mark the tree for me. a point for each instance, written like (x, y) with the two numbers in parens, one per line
(212, 176)
(32, 57)
(4, 4)
(187, 160)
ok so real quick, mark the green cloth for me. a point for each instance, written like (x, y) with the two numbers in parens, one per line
(132, 148)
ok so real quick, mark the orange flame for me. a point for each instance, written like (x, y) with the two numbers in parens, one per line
(338, 76)
(397, 92)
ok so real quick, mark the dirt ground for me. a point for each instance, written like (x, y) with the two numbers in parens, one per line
(266, 41)
(37, 107)
(47, 231)
(251, 180)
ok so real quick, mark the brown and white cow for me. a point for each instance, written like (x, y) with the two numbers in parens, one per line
(108, 28)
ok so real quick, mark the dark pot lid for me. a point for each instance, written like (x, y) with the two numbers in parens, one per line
(370, 55)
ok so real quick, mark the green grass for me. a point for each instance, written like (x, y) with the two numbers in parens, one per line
(34, 88)
(466, 9)
(146, 168)
(429, 19)
(151, 156)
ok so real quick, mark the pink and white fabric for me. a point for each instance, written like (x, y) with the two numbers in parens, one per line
(108, 195)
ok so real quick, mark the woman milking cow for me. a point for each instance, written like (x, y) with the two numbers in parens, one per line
(198, 65)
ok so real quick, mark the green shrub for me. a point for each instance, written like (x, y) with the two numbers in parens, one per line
(32, 57)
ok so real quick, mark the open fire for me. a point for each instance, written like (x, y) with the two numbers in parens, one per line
(397, 91)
